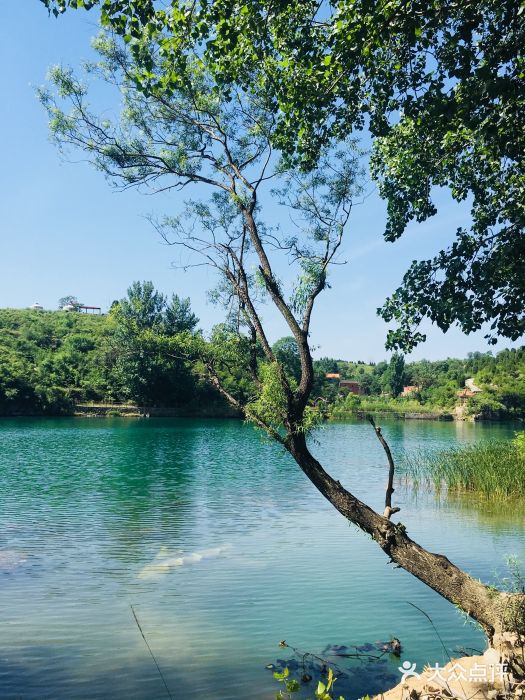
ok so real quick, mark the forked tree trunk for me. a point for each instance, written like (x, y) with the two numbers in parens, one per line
(500, 614)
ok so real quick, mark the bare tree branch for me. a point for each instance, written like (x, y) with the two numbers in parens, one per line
(389, 511)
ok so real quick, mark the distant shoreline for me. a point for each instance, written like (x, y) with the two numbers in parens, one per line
(126, 411)
(399, 415)
(97, 410)
(424, 415)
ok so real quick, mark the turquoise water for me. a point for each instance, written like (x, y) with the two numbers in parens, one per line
(223, 548)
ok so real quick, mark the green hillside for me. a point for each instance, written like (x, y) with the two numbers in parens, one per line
(435, 386)
(52, 360)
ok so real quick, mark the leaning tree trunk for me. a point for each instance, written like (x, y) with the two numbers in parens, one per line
(502, 615)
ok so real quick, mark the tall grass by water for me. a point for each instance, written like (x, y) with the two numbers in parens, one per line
(493, 469)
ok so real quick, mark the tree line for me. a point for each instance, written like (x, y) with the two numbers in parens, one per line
(50, 360)
(430, 385)
(144, 352)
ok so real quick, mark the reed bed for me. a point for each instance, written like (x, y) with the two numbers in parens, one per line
(495, 469)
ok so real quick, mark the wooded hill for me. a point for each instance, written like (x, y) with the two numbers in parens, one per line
(52, 360)
(425, 386)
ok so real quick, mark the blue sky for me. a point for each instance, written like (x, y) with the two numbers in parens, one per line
(65, 231)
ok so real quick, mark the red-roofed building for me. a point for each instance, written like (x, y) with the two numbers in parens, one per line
(351, 386)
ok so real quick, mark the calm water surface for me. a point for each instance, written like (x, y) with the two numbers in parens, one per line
(222, 548)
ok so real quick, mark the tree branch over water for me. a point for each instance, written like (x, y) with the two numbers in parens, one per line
(197, 135)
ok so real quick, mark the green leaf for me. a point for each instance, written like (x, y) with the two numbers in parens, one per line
(281, 676)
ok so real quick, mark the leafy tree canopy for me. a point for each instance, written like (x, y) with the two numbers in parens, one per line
(69, 300)
(143, 306)
(440, 86)
(394, 378)
(140, 352)
(287, 353)
(152, 340)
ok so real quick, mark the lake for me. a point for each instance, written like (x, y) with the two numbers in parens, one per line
(220, 546)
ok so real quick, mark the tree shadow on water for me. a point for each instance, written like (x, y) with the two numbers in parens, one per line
(369, 669)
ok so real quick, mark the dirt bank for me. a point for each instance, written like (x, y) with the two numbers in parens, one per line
(482, 677)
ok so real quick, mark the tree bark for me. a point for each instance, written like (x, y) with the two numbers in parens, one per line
(497, 612)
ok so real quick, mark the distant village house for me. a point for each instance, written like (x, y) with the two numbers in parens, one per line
(90, 309)
(351, 387)
(410, 389)
(82, 308)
